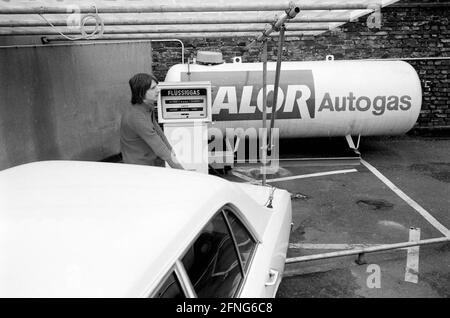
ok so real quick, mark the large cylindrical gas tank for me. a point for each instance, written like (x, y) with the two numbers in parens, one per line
(315, 99)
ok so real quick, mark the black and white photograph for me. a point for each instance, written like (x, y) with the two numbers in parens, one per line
(312, 136)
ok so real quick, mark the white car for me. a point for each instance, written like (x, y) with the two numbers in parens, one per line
(91, 229)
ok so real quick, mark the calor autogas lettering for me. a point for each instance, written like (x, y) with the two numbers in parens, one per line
(315, 99)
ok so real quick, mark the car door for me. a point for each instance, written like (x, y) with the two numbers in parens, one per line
(267, 266)
(170, 287)
(216, 264)
(212, 262)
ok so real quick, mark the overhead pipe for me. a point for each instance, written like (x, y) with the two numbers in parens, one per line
(173, 40)
(160, 6)
(421, 5)
(46, 39)
(425, 58)
(288, 15)
(164, 21)
(153, 29)
(79, 43)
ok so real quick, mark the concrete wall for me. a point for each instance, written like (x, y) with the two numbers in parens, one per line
(406, 32)
(64, 102)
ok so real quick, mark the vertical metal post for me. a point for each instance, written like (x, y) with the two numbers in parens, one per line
(277, 84)
(264, 118)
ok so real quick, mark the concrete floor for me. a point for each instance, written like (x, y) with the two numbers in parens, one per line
(358, 208)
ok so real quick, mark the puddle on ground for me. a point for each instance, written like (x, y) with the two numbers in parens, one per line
(437, 170)
(375, 204)
(298, 234)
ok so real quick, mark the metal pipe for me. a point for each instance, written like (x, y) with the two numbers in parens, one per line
(421, 5)
(164, 21)
(171, 35)
(74, 43)
(358, 251)
(264, 115)
(275, 89)
(77, 43)
(154, 29)
(289, 14)
(173, 40)
(409, 59)
(436, 58)
(160, 6)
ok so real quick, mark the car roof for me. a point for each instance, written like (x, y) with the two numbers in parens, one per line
(87, 229)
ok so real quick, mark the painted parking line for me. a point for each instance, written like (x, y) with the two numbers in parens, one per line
(244, 177)
(302, 176)
(441, 228)
(412, 258)
(311, 175)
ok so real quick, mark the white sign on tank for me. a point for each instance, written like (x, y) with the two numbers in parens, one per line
(315, 99)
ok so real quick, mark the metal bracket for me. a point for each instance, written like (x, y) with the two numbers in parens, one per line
(237, 59)
(374, 20)
(351, 144)
(427, 85)
(290, 13)
(273, 25)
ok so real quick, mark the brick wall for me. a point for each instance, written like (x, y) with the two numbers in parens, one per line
(408, 31)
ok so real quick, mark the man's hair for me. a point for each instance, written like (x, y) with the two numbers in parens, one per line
(140, 84)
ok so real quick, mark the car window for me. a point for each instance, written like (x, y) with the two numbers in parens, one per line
(212, 262)
(246, 244)
(171, 288)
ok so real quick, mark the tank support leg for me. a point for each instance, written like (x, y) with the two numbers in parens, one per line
(351, 144)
